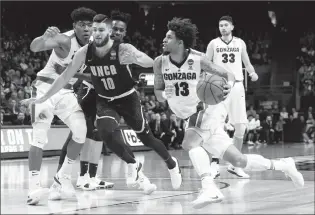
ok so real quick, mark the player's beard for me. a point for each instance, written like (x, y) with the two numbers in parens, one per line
(103, 43)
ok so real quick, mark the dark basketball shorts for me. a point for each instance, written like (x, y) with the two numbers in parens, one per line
(129, 107)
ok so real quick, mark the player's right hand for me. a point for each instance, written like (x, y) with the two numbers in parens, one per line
(51, 32)
(253, 76)
(226, 90)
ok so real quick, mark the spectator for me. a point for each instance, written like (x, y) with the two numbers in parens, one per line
(310, 122)
(251, 111)
(167, 135)
(28, 88)
(294, 113)
(268, 131)
(158, 108)
(257, 128)
(178, 129)
(155, 125)
(284, 114)
(21, 120)
(279, 130)
(251, 126)
(1, 117)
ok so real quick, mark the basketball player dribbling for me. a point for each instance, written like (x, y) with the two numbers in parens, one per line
(229, 52)
(112, 80)
(176, 75)
(64, 104)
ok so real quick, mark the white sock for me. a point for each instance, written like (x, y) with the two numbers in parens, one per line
(34, 179)
(207, 182)
(257, 163)
(200, 161)
(66, 168)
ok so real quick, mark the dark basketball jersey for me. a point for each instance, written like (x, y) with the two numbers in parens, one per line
(109, 77)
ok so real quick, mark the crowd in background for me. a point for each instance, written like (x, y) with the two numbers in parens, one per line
(19, 67)
(279, 125)
(306, 64)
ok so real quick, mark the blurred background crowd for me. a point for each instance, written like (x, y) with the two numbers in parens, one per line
(276, 123)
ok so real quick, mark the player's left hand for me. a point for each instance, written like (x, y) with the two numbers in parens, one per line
(28, 102)
(253, 76)
(226, 90)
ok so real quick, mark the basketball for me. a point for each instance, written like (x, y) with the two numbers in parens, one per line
(210, 89)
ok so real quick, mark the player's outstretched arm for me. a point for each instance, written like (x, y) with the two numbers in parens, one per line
(51, 39)
(128, 54)
(83, 76)
(249, 67)
(210, 51)
(159, 84)
(208, 66)
(71, 70)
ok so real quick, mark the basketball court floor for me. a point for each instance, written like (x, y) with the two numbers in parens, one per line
(265, 193)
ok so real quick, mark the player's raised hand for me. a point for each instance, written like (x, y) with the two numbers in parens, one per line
(226, 90)
(51, 32)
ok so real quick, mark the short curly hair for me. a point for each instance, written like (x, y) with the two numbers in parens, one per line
(82, 13)
(116, 14)
(184, 30)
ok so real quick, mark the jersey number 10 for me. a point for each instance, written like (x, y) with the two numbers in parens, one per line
(108, 83)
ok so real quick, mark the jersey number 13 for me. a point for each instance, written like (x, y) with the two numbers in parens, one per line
(182, 88)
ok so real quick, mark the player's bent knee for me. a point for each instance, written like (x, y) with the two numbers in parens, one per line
(239, 130)
(77, 124)
(79, 134)
(39, 138)
(191, 140)
(106, 126)
(239, 161)
(145, 136)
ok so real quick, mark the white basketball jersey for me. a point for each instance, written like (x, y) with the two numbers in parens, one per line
(183, 80)
(56, 65)
(229, 56)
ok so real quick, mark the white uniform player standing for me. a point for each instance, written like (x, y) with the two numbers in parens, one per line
(176, 75)
(64, 104)
(229, 52)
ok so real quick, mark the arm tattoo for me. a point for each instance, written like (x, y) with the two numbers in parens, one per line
(158, 76)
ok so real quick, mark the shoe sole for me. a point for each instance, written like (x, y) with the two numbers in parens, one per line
(106, 186)
(204, 204)
(35, 201)
(234, 173)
